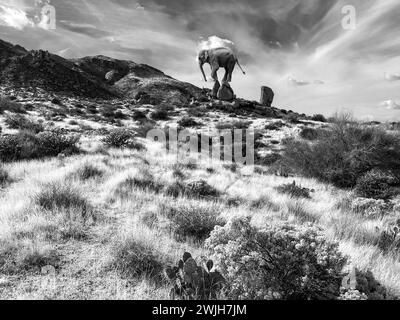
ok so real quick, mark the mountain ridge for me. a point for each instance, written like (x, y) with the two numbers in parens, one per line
(92, 76)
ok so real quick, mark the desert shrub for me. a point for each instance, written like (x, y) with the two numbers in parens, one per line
(377, 184)
(279, 262)
(294, 191)
(146, 181)
(175, 189)
(275, 126)
(351, 228)
(143, 129)
(52, 143)
(107, 111)
(119, 115)
(192, 219)
(234, 201)
(178, 171)
(27, 145)
(88, 171)
(122, 138)
(264, 203)
(55, 196)
(198, 112)
(239, 124)
(4, 177)
(210, 170)
(72, 210)
(319, 118)
(201, 189)
(268, 159)
(56, 101)
(25, 255)
(297, 209)
(187, 122)
(344, 155)
(159, 114)
(309, 133)
(92, 109)
(231, 167)
(22, 123)
(12, 106)
(292, 118)
(143, 181)
(139, 116)
(134, 258)
(85, 127)
(371, 208)
(149, 219)
(389, 236)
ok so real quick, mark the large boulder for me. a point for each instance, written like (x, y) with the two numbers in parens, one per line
(267, 96)
(225, 93)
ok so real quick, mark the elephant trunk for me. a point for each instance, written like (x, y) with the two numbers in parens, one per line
(201, 63)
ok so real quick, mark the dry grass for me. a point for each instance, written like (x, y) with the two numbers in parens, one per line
(104, 221)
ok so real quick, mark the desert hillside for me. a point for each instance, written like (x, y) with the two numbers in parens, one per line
(91, 209)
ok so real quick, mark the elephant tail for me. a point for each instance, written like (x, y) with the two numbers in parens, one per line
(237, 61)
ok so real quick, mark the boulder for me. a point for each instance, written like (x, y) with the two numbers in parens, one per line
(267, 96)
(225, 92)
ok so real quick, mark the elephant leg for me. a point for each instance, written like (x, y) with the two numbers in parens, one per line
(214, 74)
(215, 89)
(226, 76)
(231, 68)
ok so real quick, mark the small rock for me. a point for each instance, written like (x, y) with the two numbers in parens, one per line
(48, 270)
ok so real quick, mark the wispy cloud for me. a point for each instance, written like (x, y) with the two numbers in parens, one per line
(15, 18)
(297, 83)
(392, 76)
(298, 39)
(391, 105)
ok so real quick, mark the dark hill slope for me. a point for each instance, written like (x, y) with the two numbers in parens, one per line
(94, 77)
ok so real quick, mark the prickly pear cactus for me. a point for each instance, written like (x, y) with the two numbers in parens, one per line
(193, 282)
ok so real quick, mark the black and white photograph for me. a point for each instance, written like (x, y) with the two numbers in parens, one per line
(215, 152)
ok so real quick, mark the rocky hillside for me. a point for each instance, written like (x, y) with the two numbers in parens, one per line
(93, 77)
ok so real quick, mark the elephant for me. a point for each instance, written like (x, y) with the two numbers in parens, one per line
(219, 58)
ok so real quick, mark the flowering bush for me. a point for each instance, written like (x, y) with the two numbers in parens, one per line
(279, 262)
(122, 138)
(353, 295)
(371, 208)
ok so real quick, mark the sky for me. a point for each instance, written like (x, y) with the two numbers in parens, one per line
(319, 56)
